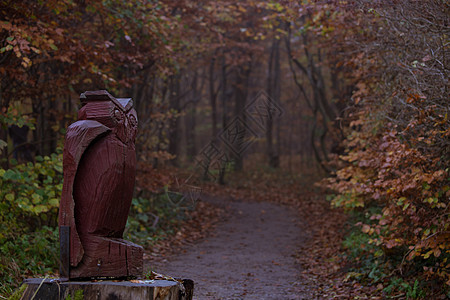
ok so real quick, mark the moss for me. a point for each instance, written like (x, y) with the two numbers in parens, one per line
(78, 295)
(19, 292)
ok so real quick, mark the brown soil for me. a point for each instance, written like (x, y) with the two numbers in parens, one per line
(250, 255)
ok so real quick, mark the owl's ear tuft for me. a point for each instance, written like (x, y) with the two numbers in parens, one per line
(125, 104)
(100, 95)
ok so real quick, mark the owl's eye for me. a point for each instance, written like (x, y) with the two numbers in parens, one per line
(133, 121)
(118, 115)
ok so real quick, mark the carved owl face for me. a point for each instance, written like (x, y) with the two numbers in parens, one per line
(125, 125)
(116, 114)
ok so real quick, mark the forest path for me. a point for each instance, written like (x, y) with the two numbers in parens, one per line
(251, 255)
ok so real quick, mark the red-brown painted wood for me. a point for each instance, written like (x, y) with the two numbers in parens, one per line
(99, 164)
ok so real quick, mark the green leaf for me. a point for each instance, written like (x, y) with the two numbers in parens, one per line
(406, 206)
(400, 201)
(9, 175)
(39, 208)
(427, 255)
(36, 198)
(53, 202)
(9, 197)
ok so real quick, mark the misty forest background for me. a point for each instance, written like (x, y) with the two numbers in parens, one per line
(358, 91)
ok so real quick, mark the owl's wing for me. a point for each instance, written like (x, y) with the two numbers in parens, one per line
(79, 136)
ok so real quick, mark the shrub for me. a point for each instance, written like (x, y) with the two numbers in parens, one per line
(397, 146)
(29, 200)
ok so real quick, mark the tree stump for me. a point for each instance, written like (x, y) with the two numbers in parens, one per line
(51, 289)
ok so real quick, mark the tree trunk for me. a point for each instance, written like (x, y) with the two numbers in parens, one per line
(224, 97)
(241, 87)
(318, 103)
(273, 90)
(174, 106)
(190, 118)
(213, 97)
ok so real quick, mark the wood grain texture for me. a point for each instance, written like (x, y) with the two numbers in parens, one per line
(99, 173)
(78, 138)
(104, 290)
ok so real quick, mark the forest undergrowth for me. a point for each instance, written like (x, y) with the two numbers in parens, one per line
(30, 193)
(337, 259)
(361, 87)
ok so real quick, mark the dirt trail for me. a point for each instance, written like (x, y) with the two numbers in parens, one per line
(249, 256)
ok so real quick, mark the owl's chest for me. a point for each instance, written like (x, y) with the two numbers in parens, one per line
(108, 160)
(109, 151)
(103, 187)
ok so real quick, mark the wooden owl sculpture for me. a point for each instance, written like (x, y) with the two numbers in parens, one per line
(99, 172)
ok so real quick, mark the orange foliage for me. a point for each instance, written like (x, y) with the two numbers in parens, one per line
(397, 147)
